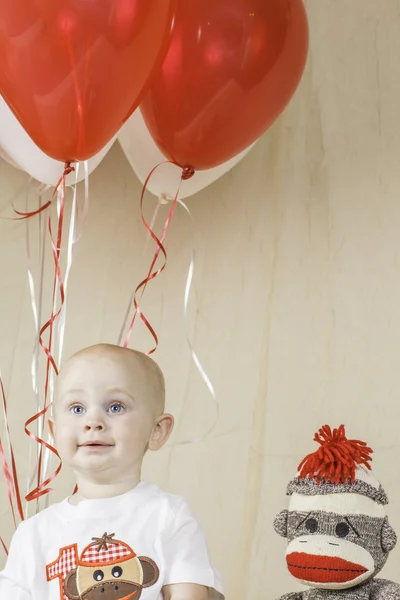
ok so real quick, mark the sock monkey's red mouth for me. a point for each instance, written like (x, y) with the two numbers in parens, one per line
(323, 569)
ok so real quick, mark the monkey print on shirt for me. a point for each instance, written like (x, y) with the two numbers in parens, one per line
(107, 569)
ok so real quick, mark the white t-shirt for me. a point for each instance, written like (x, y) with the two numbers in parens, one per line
(121, 548)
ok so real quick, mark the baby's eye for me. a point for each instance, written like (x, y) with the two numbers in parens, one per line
(77, 409)
(116, 408)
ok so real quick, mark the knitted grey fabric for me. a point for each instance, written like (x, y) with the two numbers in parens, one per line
(281, 523)
(309, 487)
(382, 589)
(376, 589)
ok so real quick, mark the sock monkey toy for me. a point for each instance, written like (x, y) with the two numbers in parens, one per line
(339, 537)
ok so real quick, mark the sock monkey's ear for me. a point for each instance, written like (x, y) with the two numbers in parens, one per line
(280, 523)
(388, 537)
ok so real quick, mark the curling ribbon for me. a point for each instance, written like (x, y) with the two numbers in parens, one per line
(12, 480)
(73, 238)
(37, 317)
(130, 303)
(4, 546)
(187, 173)
(9, 481)
(188, 286)
(56, 245)
(10, 474)
(68, 168)
(194, 356)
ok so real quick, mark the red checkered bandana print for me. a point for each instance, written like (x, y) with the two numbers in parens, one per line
(66, 562)
(105, 551)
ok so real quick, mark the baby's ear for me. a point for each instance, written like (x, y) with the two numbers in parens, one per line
(161, 432)
(280, 523)
(388, 537)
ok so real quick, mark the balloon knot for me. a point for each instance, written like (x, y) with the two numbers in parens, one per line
(187, 173)
(68, 168)
(163, 199)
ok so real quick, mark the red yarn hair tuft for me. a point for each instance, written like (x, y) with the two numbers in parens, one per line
(336, 459)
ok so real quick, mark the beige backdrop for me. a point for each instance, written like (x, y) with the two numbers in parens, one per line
(296, 310)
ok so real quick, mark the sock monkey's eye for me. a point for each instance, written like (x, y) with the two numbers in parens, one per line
(116, 572)
(312, 525)
(342, 530)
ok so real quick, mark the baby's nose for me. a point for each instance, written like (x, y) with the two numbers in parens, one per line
(94, 423)
(94, 426)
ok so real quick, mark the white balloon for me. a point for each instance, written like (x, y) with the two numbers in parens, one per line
(18, 149)
(143, 155)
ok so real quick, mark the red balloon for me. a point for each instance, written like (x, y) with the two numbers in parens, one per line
(231, 68)
(73, 71)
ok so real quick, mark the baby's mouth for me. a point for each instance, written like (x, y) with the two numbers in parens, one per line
(95, 445)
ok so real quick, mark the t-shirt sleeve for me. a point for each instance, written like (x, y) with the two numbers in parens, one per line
(14, 579)
(186, 554)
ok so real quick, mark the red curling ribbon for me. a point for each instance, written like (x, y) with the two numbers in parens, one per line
(4, 546)
(8, 480)
(187, 173)
(68, 168)
(41, 487)
(11, 475)
(12, 480)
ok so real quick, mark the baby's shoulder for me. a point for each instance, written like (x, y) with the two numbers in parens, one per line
(32, 529)
(157, 500)
(170, 511)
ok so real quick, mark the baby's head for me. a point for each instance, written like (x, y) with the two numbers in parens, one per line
(108, 411)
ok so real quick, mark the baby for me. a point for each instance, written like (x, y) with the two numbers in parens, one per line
(118, 537)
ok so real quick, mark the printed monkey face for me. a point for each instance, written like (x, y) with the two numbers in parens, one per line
(333, 551)
(121, 581)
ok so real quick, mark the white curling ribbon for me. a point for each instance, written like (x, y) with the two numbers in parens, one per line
(164, 200)
(37, 315)
(45, 451)
(73, 238)
(195, 358)
(58, 339)
(36, 298)
(70, 251)
(85, 211)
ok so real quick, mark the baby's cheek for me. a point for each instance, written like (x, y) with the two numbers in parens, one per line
(66, 443)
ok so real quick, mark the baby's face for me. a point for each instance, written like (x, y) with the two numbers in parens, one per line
(103, 417)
